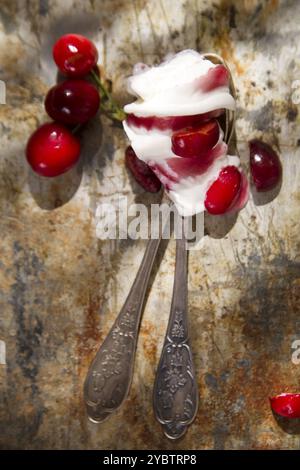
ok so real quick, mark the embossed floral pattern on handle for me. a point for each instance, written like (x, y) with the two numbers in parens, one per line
(110, 374)
(175, 396)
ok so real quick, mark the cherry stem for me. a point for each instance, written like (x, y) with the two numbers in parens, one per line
(107, 103)
(76, 128)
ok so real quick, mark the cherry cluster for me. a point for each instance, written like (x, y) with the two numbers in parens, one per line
(193, 139)
(54, 147)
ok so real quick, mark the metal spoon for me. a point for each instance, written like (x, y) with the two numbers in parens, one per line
(175, 394)
(110, 374)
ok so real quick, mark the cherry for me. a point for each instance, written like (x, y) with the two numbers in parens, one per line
(75, 55)
(265, 166)
(72, 102)
(193, 142)
(286, 404)
(173, 123)
(141, 172)
(224, 192)
(52, 150)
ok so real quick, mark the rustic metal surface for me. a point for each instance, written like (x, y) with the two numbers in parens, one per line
(61, 287)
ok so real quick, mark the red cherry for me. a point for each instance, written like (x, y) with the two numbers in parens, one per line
(52, 150)
(142, 172)
(173, 123)
(224, 192)
(75, 55)
(193, 142)
(265, 166)
(72, 102)
(286, 404)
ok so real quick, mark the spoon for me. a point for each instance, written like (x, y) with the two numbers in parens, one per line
(175, 394)
(110, 374)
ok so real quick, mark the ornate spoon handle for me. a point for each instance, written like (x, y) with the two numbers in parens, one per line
(175, 397)
(109, 376)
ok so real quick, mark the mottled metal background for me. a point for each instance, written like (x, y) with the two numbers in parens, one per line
(61, 288)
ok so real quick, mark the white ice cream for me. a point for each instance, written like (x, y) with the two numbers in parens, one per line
(170, 89)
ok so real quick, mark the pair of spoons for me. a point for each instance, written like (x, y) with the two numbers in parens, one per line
(175, 395)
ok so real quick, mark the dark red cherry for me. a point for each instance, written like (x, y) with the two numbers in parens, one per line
(75, 55)
(224, 192)
(265, 166)
(192, 142)
(141, 172)
(72, 102)
(52, 150)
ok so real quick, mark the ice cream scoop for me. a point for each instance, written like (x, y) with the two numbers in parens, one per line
(175, 102)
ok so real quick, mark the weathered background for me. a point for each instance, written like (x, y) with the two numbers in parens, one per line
(61, 288)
